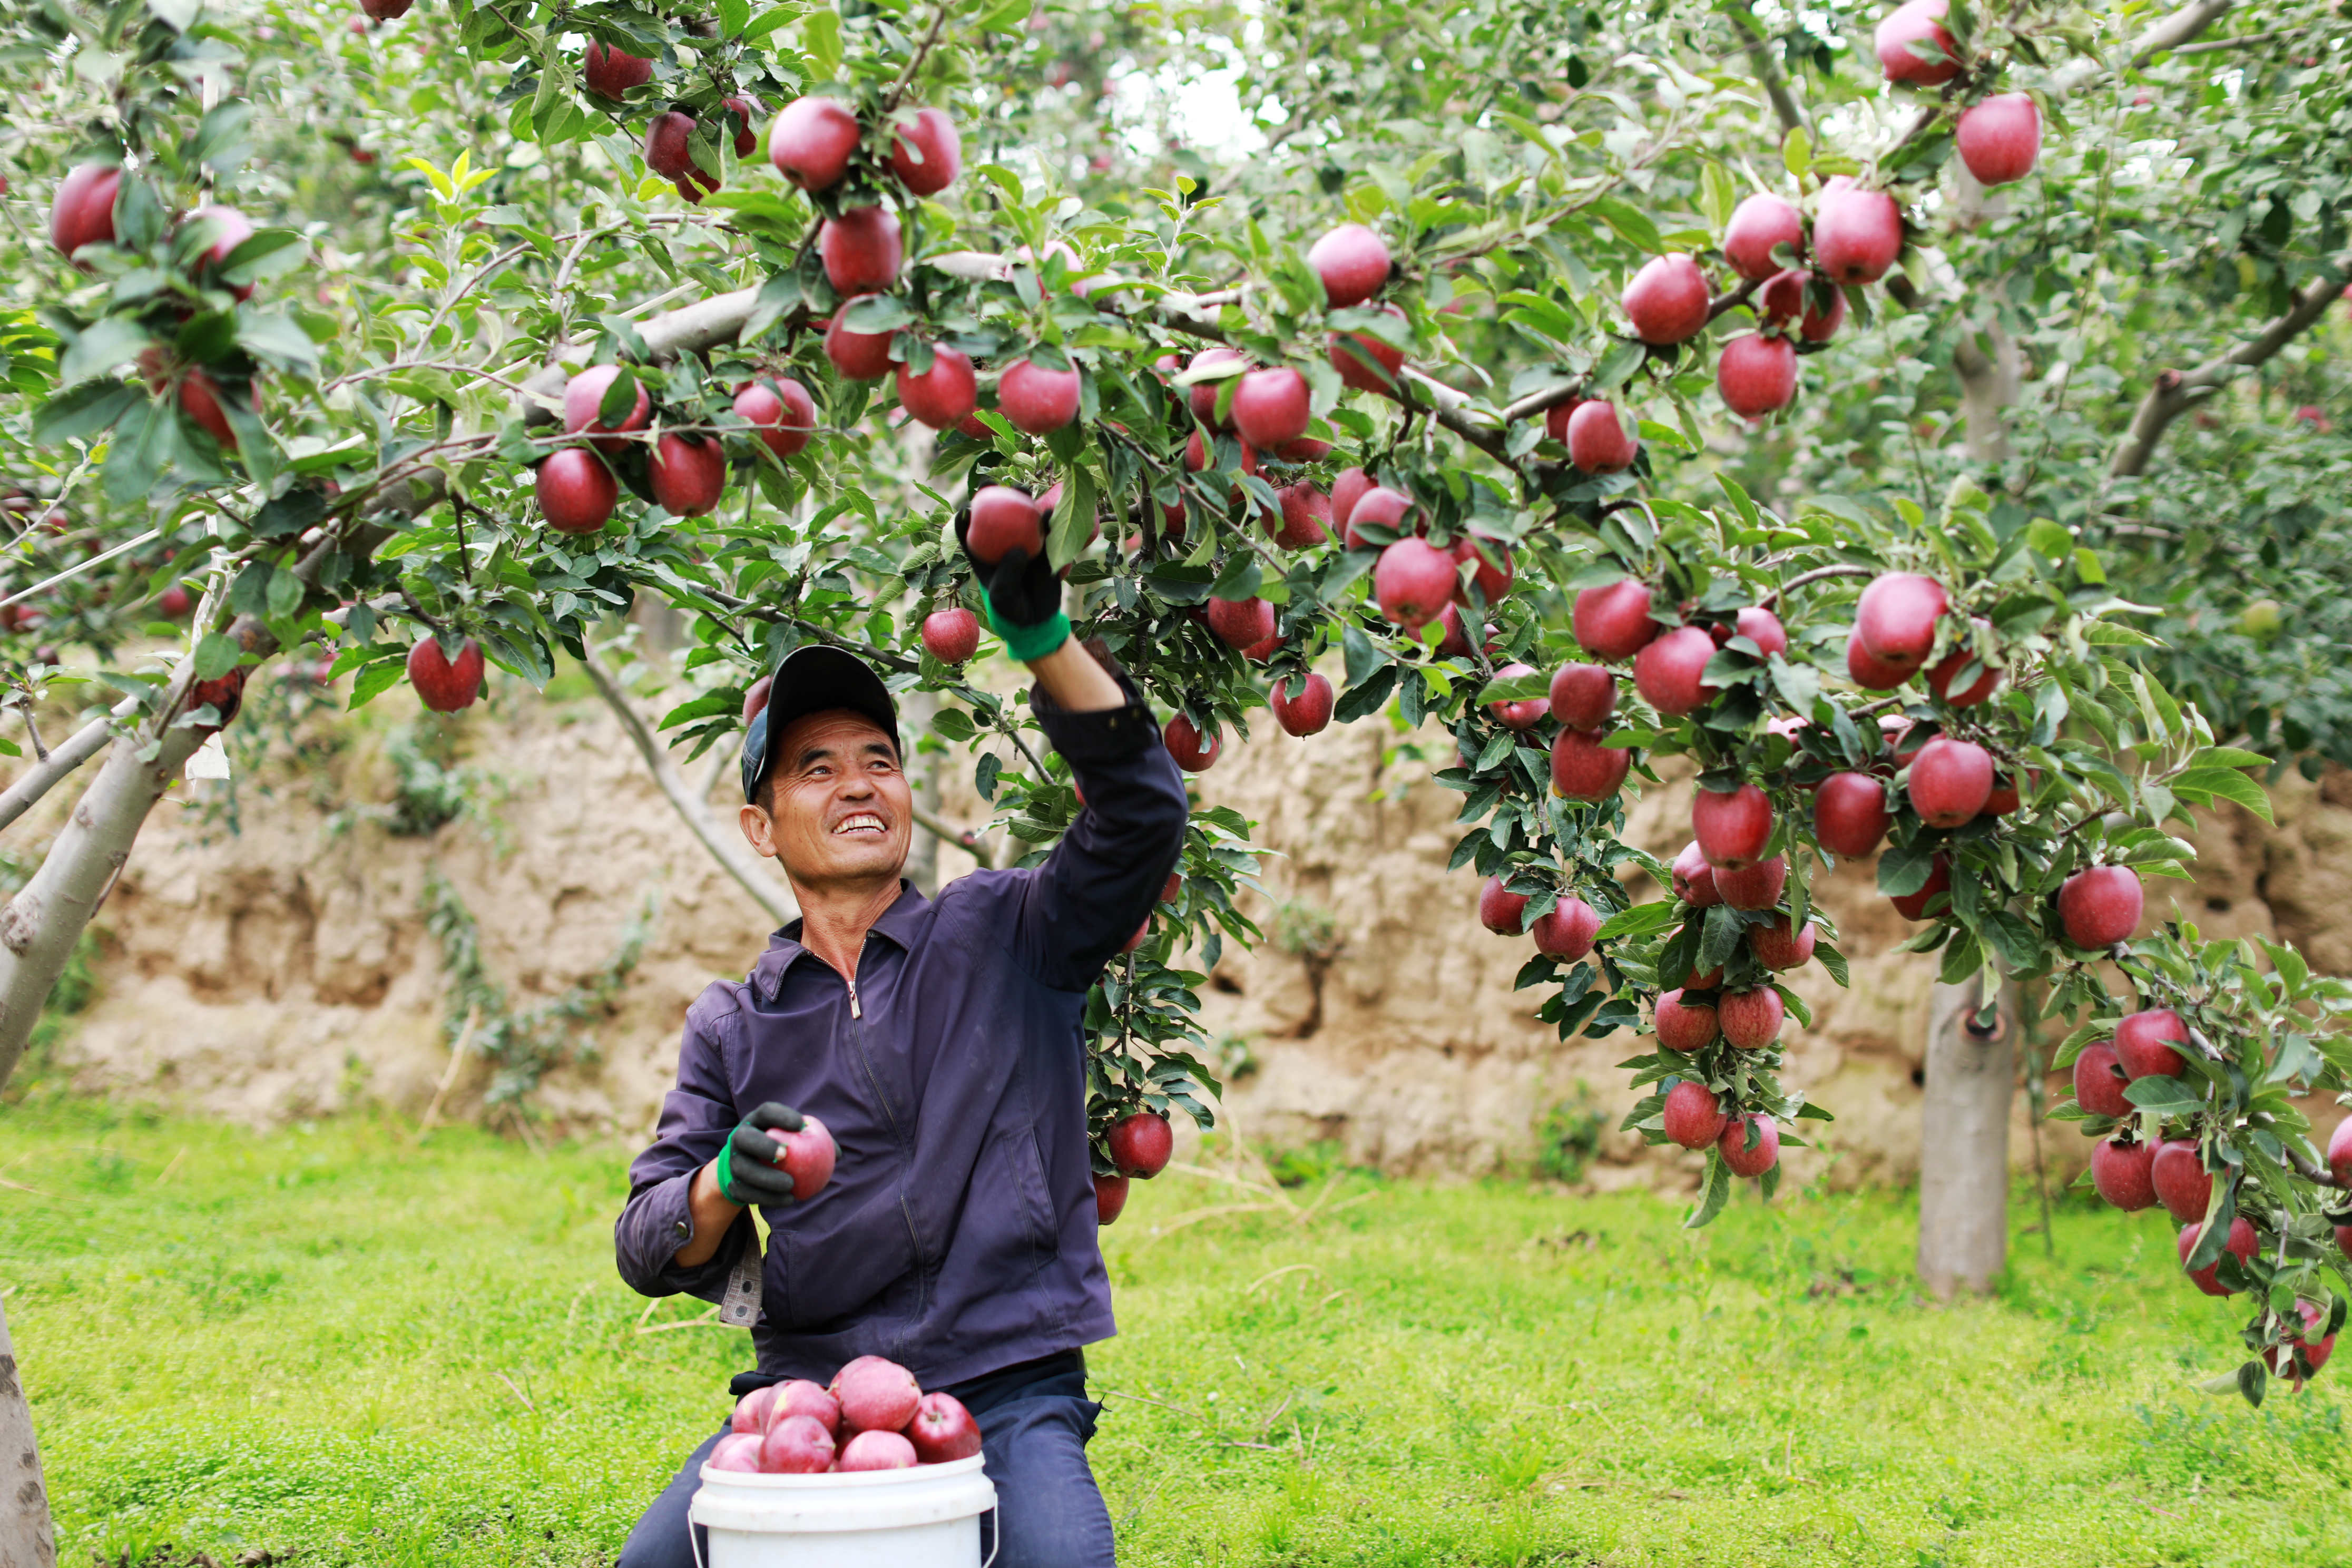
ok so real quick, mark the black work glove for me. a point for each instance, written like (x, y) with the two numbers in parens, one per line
(1024, 597)
(748, 1172)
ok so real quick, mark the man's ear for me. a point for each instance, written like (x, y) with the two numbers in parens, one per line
(759, 829)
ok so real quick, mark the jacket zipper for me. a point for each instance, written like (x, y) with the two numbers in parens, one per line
(854, 1011)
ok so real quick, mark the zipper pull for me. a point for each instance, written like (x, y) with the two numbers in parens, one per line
(853, 1001)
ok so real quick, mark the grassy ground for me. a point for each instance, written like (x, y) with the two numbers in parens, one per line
(336, 1347)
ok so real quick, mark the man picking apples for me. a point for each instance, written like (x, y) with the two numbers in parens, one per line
(938, 1041)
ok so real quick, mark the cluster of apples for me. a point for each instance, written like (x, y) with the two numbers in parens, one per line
(1140, 1146)
(687, 470)
(873, 1416)
(82, 214)
(1998, 137)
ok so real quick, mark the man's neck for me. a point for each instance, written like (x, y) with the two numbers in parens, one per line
(835, 920)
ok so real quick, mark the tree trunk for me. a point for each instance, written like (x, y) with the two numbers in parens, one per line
(40, 925)
(1964, 1142)
(26, 1539)
(916, 710)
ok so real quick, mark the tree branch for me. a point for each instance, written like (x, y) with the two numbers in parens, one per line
(2176, 392)
(63, 759)
(1767, 70)
(734, 857)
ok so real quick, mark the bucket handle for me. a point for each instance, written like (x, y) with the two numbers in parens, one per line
(995, 1543)
(694, 1541)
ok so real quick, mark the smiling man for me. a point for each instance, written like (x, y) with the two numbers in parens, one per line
(938, 1041)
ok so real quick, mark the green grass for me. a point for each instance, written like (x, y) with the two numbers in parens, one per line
(333, 1345)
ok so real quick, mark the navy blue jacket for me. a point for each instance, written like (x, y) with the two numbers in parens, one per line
(958, 1234)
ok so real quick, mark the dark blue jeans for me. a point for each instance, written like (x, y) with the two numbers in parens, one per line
(1034, 1420)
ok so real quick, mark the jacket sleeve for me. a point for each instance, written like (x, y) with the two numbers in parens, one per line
(1101, 882)
(697, 1116)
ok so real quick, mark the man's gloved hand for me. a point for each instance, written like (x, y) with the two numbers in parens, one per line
(746, 1168)
(1024, 597)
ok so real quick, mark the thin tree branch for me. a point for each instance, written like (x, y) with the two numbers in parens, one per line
(2176, 392)
(75, 750)
(1767, 70)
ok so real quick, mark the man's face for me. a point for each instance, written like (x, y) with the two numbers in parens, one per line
(841, 813)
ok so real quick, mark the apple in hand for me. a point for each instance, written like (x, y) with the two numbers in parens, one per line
(807, 1157)
(943, 1430)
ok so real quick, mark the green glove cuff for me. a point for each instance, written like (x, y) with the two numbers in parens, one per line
(1029, 643)
(726, 1172)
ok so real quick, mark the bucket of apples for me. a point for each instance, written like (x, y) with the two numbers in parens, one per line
(872, 1417)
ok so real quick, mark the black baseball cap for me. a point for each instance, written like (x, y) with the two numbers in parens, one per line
(812, 679)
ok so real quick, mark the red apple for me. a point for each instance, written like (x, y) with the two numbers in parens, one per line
(1584, 695)
(1685, 1026)
(2241, 1244)
(811, 141)
(751, 1411)
(2100, 907)
(1666, 301)
(943, 394)
(737, 1451)
(1492, 568)
(1743, 1160)
(583, 397)
(1271, 406)
(1500, 911)
(1352, 262)
(875, 1394)
(1751, 1019)
(2339, 1151)
(1352, 486)
(1757, 886)
(1412, 582)
(1303, 449)
(927, 153)
(1756, 376)
(1785, 299)
(1613, 621)
(445, 684)
(747, 141)
(610, 73)
(1037, 400)
(83, 210)
(2183, 1185)
(755, 696)
(1950, 781)
(1693, 1118)
(2099, 1081)
(796, 1446)
(1776, 947)
(1558, 417)
(1522, 715)
(1914, 906)
(1584, 769)
(174, 601)
(689, 474)
(1694, 878)
(666, 151)
(1381, 507)
(860, 356)
(2281, 1360)
(1949, 668)
(1757, 226)
(2141, 1043)
(1916, 22)
(1140, 1144)
(1598, 441)
(200, 399)
(2000, 139)
(1896, 617)
(780, 411)
(230, 230)
(1242, 623)
(861, 249)
(1857, 234)
(1566, 929)
(2121, 1173)
(1306, 513)
(1868, 671)
(1732, 826)
(1666, 671)
(942, 1429)
(1202, 395)
(1110, 1196)
(576, 492)
(1184, 743)
(1003, 519)
(1302, 705)
(952, 635)
(1758, 625)
(807, 1157)
(1453, 642)
(1349, 351)
(876, 1450)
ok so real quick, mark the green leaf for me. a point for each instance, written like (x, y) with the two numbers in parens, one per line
(176, 15)
(1074, 516)
(216, 655)
(84, 411)
(1631, 224)
(220, 143)
(2229, 786)
(821, 36)
(107, 342)
(1717, 1194)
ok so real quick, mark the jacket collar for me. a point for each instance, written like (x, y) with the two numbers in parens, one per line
(896, 925)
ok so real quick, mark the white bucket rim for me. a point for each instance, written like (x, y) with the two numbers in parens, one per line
(827, 1479)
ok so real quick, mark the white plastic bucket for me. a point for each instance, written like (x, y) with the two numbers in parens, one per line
(926, 1517)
